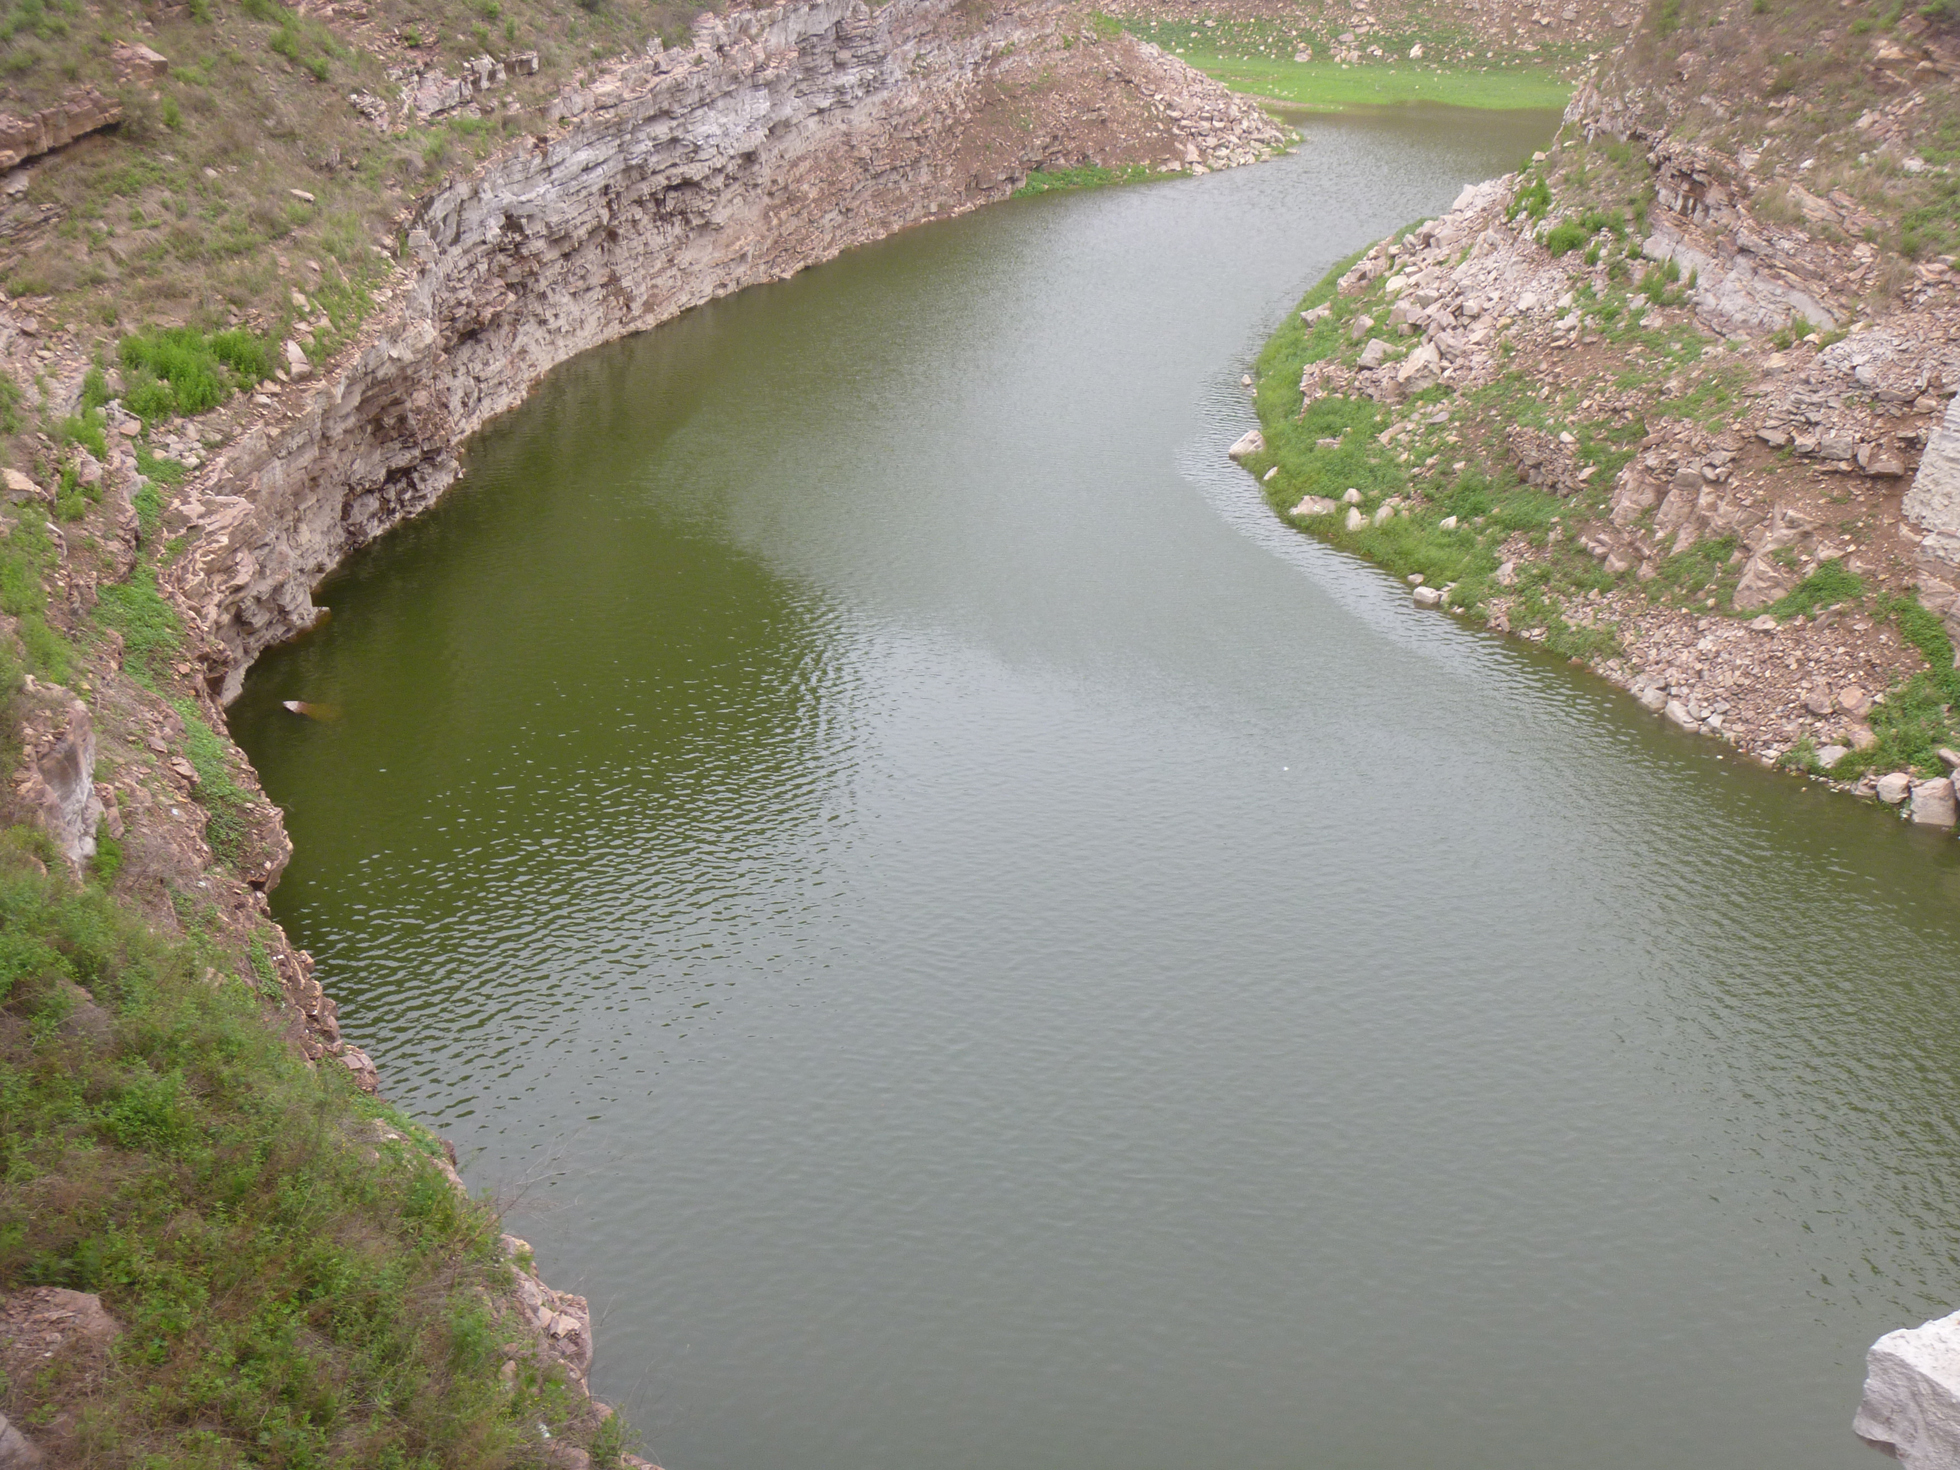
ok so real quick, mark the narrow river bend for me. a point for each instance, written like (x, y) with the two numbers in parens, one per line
(972, 945)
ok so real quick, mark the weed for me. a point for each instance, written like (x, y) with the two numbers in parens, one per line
(1833, 582)
(223, 799)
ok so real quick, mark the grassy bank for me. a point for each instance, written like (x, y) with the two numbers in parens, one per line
(285, 1301)
(1090, 176)
(1329, 87)
(1299, 62)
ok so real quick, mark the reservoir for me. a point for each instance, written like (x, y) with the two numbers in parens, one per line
(971, 944)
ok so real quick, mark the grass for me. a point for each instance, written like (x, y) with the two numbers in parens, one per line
(286, 1302)
(180, 370)
(225, 802)
(1330, 87)
(25, 557)
(1092, 176)
(1488, 505)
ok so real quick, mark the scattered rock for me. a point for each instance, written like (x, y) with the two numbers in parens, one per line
(1894, 788)
(1249, 443)
(1933, 804)
(1427, 597)
(1315, 505)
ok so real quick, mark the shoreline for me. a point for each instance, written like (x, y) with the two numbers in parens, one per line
(1640, 545)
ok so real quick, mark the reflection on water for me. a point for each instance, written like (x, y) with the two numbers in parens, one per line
(974, 944)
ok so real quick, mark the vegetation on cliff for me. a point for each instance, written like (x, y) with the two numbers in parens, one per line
(296, 1281)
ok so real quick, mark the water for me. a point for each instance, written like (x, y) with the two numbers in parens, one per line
(971, 944)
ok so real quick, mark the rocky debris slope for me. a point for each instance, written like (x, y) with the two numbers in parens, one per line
(776, 139)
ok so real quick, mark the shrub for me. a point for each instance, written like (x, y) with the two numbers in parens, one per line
(180, 370)
(1566, 236)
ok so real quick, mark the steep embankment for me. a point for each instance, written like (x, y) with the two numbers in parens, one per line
(212, 1239)
(776, 140)
(1663, 400)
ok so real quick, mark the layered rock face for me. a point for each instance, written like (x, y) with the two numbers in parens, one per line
(776, 140)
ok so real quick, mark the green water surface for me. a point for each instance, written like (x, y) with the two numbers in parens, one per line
(972, 945)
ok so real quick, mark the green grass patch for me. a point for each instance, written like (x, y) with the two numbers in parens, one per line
(287, 1301)
(225, 802)
(180, 370)
(1326, 86)
(1833, 582)
(25, 557)
(148, 625)
(1092, 176)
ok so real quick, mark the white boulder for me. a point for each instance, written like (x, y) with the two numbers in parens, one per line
(1911, 1407)
(1249, 443)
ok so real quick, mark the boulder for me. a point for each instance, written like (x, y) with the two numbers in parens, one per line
(1895, 788)
(18, 487)
(138, 63)
(1249, 443)
(1934, 499)
(1911, 1403)
(1355, 520)
(1315, 505)
(1853, 701)
(82, 111)
(1830, 755)
(1373, 353)
(1933, 806)
(17, 1451)
(1420, 368)
(1679, 714)
(1761, 583)
(1360, 327)
(1427, 597)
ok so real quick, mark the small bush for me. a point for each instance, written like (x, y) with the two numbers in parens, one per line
(180, 370)
(1566, 236)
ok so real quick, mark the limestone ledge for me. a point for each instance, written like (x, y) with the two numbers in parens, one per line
(778, 139)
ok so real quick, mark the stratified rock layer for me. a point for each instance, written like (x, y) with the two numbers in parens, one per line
(776, 140)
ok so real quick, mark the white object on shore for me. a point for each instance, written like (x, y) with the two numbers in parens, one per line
(1911, 1407)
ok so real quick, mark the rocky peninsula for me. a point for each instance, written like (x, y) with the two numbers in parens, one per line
(1655, 402)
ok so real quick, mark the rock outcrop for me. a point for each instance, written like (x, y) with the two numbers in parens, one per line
(776, 140)
(81, 112)
(57, 782)
(1911, 1404)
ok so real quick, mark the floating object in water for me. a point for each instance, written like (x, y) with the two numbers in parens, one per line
(311, 711)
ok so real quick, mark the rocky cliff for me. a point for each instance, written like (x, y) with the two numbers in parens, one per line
(775, 140)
